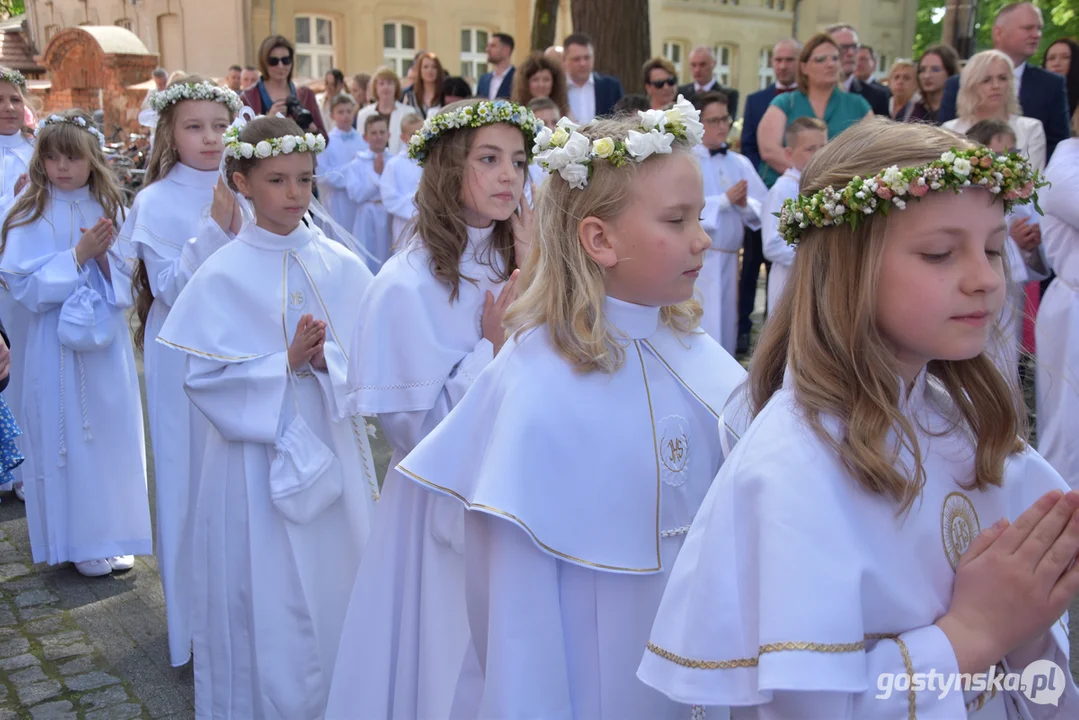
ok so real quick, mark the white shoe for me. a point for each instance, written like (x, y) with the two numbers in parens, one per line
(121, 563)
(93, 568)
(19, 492)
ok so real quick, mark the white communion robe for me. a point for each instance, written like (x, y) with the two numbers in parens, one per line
(341, 148)
(790, 599)
(1023, 268)
(87, 497)
(272, 587)
(417, 353)
(15, 153)
(372, 225)
(1057, 329)
(717, 286)
(581, 488)
(170, 229)
(400, 180)
(776, 249)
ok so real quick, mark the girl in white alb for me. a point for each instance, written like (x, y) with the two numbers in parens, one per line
(881, 521)
(286, 483)
(584, 450)
(16, 148)
(399, 183)
(179, 219)
(429, 326)
(86, 501)
(1057, 330)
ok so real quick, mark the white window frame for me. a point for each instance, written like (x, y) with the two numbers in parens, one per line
(675, 50)
(477, 55)
(724, 66)
(766, 75)
(314, 50)
(399, 59)
(780, 5)
(882, 67)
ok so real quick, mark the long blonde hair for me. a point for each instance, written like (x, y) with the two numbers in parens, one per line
(562, 286)
(28, 101)
(163, 159)
(68, 139)
(824, 332)
(976, 70)
(438, 220)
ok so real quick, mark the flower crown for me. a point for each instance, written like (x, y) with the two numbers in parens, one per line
(236, 148)
(571, 154)
(473, 116)
(1010, 176)
(195, 91)
(77, 121)
(13, 76)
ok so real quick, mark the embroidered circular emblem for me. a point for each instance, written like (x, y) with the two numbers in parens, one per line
(958, 526)
(297, 299)
(674, 449)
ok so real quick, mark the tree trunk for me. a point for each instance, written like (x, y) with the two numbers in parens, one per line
(544, 21)
(620, 35)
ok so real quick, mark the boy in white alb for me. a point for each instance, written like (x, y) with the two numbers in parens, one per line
(363, 178)
(735, 196)
(803, 138)
(400, 180)
(341, 147)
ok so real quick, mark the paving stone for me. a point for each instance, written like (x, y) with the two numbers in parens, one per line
(33, 613)
(6, 633)
(33, 694)
(30, 598)
(66, 651)
(6, 617)
(15, 646)
(127, 711)
(19, 661)
(13, 570)
(56, 710)
(76, 667)
(68, 637)
(90, 681)
(46, 626)
(3, 693)
(9, 715)
(103, 698)
(27, 677)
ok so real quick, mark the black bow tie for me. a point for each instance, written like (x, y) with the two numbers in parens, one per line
(721, 150)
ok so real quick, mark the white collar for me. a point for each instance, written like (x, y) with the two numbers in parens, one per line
(635, 322)
(1020, 68)
(793, 173)
(495, 73)
(71, 196)
(702, 88)
(781, 86)
(189, 176)
(849, 82)
(266, 240)
(14, 140)
(591, 81)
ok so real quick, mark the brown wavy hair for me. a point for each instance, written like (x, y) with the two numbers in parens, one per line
(438, 221)
(163, 158)
(68, 139)
(534, 64)
(824, 332)
(562, 287)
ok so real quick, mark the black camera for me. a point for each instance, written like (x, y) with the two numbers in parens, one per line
(298, 112)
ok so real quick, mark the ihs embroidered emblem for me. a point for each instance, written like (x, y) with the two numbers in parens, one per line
(674, 449)
(958, 526)
(297, 300)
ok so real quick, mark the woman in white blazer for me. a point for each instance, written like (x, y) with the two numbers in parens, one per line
(987, 91)
(386, 89)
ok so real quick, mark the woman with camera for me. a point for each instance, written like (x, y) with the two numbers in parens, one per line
(275, 92)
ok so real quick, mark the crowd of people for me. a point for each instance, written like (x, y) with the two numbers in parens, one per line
(536, 292)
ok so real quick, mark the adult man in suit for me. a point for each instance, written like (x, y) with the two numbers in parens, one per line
(590, 93)
(702, 66)
(866, 66)
(1017, 31)
(785, 68)
(846, 39)
(499, 82)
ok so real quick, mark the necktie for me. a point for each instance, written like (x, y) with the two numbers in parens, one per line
(721, 150)
(780, 91)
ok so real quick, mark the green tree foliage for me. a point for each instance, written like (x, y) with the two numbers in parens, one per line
(10, 8)
(1061, 20)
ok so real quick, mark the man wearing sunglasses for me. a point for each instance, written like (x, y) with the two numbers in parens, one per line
(702, 66)
(846, 39)
(660, 82)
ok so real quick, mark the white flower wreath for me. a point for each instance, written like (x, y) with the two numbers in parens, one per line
(236, 148)
(570, 154)
(195, 91)
(76, 121)
(486, 112)
(13, 76)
